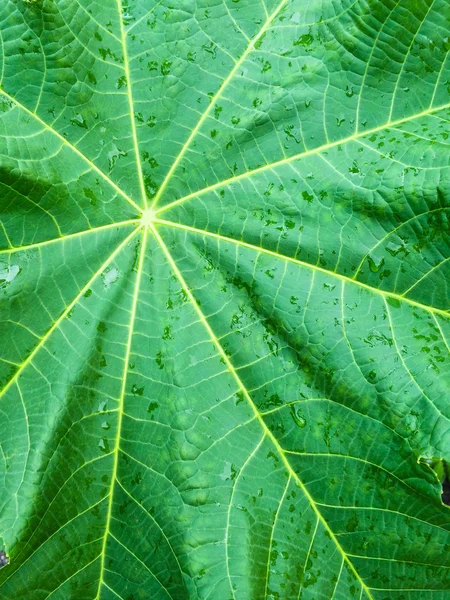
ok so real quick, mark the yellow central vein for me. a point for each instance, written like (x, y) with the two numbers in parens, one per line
(131, 105)
(254, 408)
(216, 97)
(312, 152)
(73, 148)
(70, 236)
(121, 407)
(65, 312)
(343, 278)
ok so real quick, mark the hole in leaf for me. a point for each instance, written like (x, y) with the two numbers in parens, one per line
(446, 491)
(442, 470)
(4, 560)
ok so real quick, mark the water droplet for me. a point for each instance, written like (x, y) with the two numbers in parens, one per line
(8, 274)
(110, 276)
(373, 265)
(104, 445)
(299, 419)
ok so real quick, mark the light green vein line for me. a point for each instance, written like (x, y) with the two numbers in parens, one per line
(121, 408)
(213, 101)
(375, 589)
(441, 70)
(442, 333)
(272, 535)
(399, 560)
(140, 561)
(254, 408)
(2, 67)
(406, 56)
(5, 233)
(92, 18)
(312, 152)
(392, 232)
(70, 236)
(313, 537)
(52, 536)
(344, 457)
(63, 315)
(405, 366)
(144, 16)
(288, 404)
(142, 507)
(230, 505)
(56, 497)
(236, 24)
(111, 590)
(443, 527)
(369, 60)
(425, 275)
(73, 148)
(10, 362)
(131, 105)
(338, 579)
(301, 263)
(86, 566)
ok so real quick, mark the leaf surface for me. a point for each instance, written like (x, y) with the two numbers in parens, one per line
(224, 267)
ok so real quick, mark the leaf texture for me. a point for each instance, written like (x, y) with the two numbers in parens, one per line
(224, 279)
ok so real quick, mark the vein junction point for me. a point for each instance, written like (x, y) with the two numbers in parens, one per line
(148, 216)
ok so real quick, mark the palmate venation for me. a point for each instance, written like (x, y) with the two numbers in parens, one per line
(224, 272)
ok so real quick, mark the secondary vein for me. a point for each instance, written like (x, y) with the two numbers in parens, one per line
(253, 406)
(313, 151)
(216, 97)
(121, 407)
(66, 311)
(344, 278)
(70, 236)
(131, 105)
(72, 147)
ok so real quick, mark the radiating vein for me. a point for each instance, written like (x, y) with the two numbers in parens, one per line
(402, 360)
(337, 579)
(131, 105)
(66, 311)
(216, 97)
(187, 552)
(64, 141)
(252, 405)
(344, 278)
(121, 406)
(70, 236)
(300, 155)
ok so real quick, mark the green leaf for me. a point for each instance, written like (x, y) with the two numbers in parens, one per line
(224, 267)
